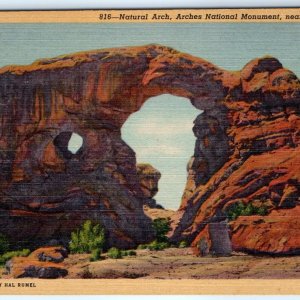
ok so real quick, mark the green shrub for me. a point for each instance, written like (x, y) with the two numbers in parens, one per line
(4, 244)
(95, 254)
(142, 246)
(114, 253)
(156, 245)
(161, 227)
(9, 255)
(87, 239)
(131, 253)
(262, 211)
(183, 244)
(128, 253)
(241, 209)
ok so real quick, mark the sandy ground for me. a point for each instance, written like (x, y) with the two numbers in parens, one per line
(182, 264)
(155, 213)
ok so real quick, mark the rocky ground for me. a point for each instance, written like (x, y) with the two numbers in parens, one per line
(177, 263)
(172, 263)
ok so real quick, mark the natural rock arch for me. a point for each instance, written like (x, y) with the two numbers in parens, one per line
(247, 114)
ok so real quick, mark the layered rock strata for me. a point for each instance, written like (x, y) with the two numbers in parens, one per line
(246, 149)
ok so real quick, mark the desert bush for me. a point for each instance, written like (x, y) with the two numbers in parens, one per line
(241, 209)
(161, 227)
(182, 244)
(96, 255)
(87, 239)
(131, 253)
(114, 253)
(4, 244)
(9, 255)
(262, 211)
(156, 245)
(128, 253)
(142, 246)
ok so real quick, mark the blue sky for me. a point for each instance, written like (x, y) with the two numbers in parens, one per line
(229, 46)
(165, 141)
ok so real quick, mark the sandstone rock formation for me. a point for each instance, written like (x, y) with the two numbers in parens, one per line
(42, 263)
(148, 180)
(156, 213)
(51, 254)
(260, 163)
(277, 233)
(246, 149)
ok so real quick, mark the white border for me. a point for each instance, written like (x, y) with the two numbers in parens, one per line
(111, 4)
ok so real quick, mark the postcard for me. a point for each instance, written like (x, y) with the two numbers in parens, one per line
(150, 151)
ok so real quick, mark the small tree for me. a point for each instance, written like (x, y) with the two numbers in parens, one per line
(161, 227)
(87, 239)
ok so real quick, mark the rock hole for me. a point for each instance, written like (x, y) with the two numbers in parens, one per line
(68, 143)
(75, 143)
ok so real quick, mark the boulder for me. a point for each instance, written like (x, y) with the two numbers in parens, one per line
(50, 254)
(41, 263)
(20, 267)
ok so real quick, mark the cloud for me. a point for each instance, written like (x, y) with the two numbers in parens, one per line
(152, 128)
(156, 151)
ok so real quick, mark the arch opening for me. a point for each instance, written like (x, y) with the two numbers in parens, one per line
(69, 144)
(161, 134)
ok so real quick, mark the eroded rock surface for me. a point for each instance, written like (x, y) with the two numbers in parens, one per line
(262, 166)
(277, 233)
(148, 178)
(247, 146)
(44, 262)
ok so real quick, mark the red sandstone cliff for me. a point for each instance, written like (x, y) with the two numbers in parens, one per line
(246, 150)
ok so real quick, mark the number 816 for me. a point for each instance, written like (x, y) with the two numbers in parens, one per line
(104, 16)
